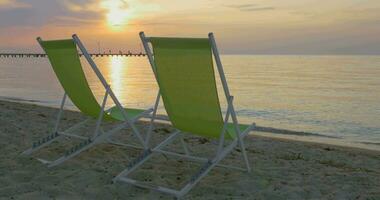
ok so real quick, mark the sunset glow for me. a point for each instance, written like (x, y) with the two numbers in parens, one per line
(241, 27)
(117, 13)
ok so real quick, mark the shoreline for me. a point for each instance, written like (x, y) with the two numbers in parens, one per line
(270, 132)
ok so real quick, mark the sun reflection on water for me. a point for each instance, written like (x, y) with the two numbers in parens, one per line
(118, 68)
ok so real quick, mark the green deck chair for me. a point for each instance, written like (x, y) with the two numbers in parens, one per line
(184, 70)
(64, 58)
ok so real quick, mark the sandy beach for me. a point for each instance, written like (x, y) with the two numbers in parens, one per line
(282, 169)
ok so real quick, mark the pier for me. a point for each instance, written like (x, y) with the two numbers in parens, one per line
(41, 55)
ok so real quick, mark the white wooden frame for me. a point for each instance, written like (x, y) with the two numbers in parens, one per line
(208, 163)
(99, 136)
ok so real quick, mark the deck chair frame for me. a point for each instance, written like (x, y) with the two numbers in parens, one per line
(99, 136)
(208, 163)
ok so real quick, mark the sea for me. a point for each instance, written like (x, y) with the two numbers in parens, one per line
(335, 98)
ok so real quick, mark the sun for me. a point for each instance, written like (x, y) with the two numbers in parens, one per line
(117, 14)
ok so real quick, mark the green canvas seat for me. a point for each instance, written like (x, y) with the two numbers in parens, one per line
(132, 113)
(65, 61)
(184, 70)
(187, 84)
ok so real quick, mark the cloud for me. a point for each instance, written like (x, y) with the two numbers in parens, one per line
(250, 7)
(256, 9)
(242, 6)
(67, 21)
(43, 12)
(82, 6)
(9, 5)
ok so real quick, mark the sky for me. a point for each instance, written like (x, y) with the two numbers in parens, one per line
(240, 26)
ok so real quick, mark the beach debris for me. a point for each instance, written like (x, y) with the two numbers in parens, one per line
(328, 149)
(161, 130)
(41, 115)
(203, 140)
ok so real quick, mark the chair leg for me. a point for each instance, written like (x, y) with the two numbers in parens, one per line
(45, 141)
(41, 143)
(244, 153)
(151, 125)
(184, 145)
(101, 114)
(60, 113)
(207, 166)
(144, 157)
(72, 152)
(85, 145)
